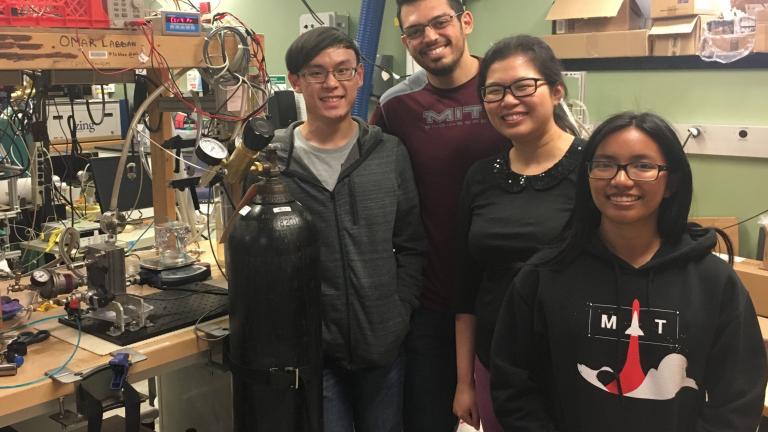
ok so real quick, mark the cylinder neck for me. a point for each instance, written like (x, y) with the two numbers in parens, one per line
(272, 191)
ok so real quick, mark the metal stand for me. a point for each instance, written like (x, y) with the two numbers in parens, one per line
(95, 395)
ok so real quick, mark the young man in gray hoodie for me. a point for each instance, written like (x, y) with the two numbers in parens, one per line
(357, 184)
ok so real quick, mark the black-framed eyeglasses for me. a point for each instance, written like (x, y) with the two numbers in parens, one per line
(437, 23)
(345, 73)
(521, 88)
(638, 171)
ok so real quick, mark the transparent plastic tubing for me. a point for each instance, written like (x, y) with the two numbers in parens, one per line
(129, 136)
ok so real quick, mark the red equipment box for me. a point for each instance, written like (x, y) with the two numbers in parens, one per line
(53, 13)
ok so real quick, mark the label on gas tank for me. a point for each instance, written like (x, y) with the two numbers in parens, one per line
(281, 209)
(244, 211)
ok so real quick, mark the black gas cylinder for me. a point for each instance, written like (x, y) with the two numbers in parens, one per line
(275, 346)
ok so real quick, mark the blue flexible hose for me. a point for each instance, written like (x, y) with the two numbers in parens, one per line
(368, 32)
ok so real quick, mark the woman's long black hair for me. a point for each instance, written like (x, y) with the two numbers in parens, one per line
(673, 211)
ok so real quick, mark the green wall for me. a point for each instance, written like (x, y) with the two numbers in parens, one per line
(279, 22)
(723, 186)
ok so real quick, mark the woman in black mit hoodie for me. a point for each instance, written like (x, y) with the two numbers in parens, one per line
(632, 324)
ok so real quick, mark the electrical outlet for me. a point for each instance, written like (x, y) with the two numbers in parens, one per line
(330, 19)
(726, 140)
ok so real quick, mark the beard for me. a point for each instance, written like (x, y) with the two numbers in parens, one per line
(443, 69)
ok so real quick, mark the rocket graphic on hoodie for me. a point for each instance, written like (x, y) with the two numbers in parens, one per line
(662, 382)
(598, 345)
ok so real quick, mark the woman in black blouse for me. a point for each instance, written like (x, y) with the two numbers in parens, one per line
(511, 204)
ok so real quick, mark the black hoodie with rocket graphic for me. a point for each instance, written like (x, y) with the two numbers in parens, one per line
(600, 345)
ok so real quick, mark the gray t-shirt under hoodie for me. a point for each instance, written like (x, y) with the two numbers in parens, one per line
(325, 164)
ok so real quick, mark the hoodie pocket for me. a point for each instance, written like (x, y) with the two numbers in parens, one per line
(380, 327)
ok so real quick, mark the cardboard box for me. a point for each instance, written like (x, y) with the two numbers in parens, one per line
(761, 38)
(749, 8)
(676, 36)
(761, 16)
(755, 279)
(763, 323)
(729, 224)
(577, 16)
(632, 43)
(675, 8)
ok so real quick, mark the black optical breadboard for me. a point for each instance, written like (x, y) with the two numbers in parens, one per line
(173, 309)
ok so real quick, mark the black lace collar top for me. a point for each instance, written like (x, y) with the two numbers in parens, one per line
(515, 182)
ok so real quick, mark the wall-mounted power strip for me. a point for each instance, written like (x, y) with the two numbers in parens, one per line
(725, 140)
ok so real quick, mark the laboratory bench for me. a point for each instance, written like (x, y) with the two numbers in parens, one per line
(165, 353)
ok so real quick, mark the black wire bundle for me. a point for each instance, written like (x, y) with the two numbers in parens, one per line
(313, 13)
(103, 108)
(140, 92)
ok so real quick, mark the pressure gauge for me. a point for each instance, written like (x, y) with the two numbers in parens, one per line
(50, 283)
(210, 151)
(40, 277)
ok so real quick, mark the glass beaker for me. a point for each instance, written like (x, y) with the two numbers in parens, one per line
(171, 239)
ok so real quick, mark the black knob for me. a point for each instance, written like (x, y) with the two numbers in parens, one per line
(258, 133)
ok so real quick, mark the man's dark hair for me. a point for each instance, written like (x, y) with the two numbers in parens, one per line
(456, 5)
(307, 46)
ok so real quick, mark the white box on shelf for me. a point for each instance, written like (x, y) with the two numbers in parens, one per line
(109, 129)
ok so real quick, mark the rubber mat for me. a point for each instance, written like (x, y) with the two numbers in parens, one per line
(174, 308)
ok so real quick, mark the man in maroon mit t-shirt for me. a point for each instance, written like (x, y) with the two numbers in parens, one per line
(438, 114)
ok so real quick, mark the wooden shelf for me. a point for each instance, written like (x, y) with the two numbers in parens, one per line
(752, 61)
(108, 49)
(48, 49)
(87, 145)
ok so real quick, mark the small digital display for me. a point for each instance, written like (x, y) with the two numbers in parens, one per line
(183, 20)
(181, 23)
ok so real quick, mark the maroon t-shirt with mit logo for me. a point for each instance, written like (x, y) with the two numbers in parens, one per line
(445, 131)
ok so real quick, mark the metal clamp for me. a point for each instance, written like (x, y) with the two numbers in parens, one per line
(67, 376)
(120, 365)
